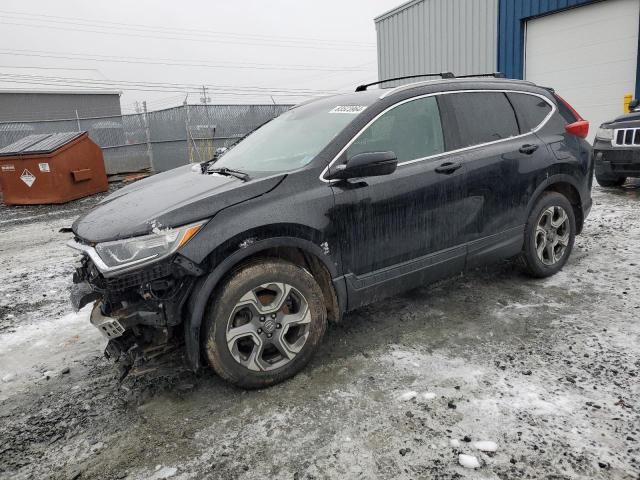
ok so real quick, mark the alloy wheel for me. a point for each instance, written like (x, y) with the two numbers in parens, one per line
(268, 326)
(552, 235)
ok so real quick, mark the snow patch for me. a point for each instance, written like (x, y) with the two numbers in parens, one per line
(486, 446)
(36, 350)
(454, 442)
(468, 461)
(247, 242)
(426, 367)
(163, 472)
(408, 396)
(428, 395)
(525, 396)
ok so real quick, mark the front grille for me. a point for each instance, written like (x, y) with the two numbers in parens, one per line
(627, 137)
(138, 278)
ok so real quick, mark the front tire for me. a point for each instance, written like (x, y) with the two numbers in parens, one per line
(607, 181)
(549, 235)
(265, 323)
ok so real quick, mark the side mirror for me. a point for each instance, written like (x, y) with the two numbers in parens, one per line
(633, 105)
(369, 164)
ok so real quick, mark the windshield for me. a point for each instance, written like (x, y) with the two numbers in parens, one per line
(292, 140)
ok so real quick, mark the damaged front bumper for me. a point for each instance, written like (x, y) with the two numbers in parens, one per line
(139, 312)
(109, 327)
(82, 293)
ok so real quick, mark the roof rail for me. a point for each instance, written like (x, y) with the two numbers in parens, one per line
(494, 75)
(362, 88)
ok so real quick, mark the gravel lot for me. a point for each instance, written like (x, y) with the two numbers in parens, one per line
(546, 369)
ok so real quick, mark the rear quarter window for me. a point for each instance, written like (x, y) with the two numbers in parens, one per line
(530, 110)
(479, 117)
(564, 111)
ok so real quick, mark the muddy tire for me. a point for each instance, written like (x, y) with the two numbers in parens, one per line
(607, 181)
(264, 324)
(549, 235)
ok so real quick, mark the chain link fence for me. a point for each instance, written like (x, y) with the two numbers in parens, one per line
(159, 140)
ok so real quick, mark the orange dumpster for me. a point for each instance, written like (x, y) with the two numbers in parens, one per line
(51, 168)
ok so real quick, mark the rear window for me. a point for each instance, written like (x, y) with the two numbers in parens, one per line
(481, 117)
(530, 110)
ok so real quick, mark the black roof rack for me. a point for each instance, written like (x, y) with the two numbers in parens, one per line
(494, 75)
(362, 88)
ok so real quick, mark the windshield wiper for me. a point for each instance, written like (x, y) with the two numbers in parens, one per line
(229, 172)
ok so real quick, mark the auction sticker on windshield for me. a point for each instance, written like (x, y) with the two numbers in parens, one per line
(353, 109)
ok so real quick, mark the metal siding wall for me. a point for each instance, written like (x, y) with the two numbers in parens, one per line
(512, 15)
(431, 36)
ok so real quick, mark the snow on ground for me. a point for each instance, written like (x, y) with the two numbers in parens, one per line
(532, 378)
(45, 349)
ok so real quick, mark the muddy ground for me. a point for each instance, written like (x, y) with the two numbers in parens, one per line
(546, 369)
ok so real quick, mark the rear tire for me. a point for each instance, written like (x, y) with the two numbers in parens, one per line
(549, 235)
(607, 181)
(264, 324)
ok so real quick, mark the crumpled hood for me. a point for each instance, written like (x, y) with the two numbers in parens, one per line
(170, 199)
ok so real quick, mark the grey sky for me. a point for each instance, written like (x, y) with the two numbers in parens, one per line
(254, 46)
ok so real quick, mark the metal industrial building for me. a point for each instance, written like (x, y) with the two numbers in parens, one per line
(29, 105)
(587, 50)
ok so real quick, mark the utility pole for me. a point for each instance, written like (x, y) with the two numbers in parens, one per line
(204, 99)
(187, 121)
(147, 131)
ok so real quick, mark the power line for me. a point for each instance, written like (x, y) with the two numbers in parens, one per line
(171, 62)
(151, 89)
(264, 43)
(155, 87)
(38, 67)
(190, 86)
(174, 30)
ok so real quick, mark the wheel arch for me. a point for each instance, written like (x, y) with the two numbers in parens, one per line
(251, 246)
(566, 186)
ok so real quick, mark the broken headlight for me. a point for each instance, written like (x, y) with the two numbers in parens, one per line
(146, 248)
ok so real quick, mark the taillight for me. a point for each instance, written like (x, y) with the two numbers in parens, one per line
(580, 127)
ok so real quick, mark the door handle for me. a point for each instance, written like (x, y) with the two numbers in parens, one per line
(528, 149)
(448, 167)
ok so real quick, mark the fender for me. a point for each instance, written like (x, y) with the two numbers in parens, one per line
(206, 285)
(550, 180)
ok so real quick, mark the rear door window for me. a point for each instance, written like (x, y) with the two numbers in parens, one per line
(530, 110)
(479, 117)
(411, 130)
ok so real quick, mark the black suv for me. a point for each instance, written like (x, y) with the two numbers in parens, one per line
(336, 203)
(617, 149)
